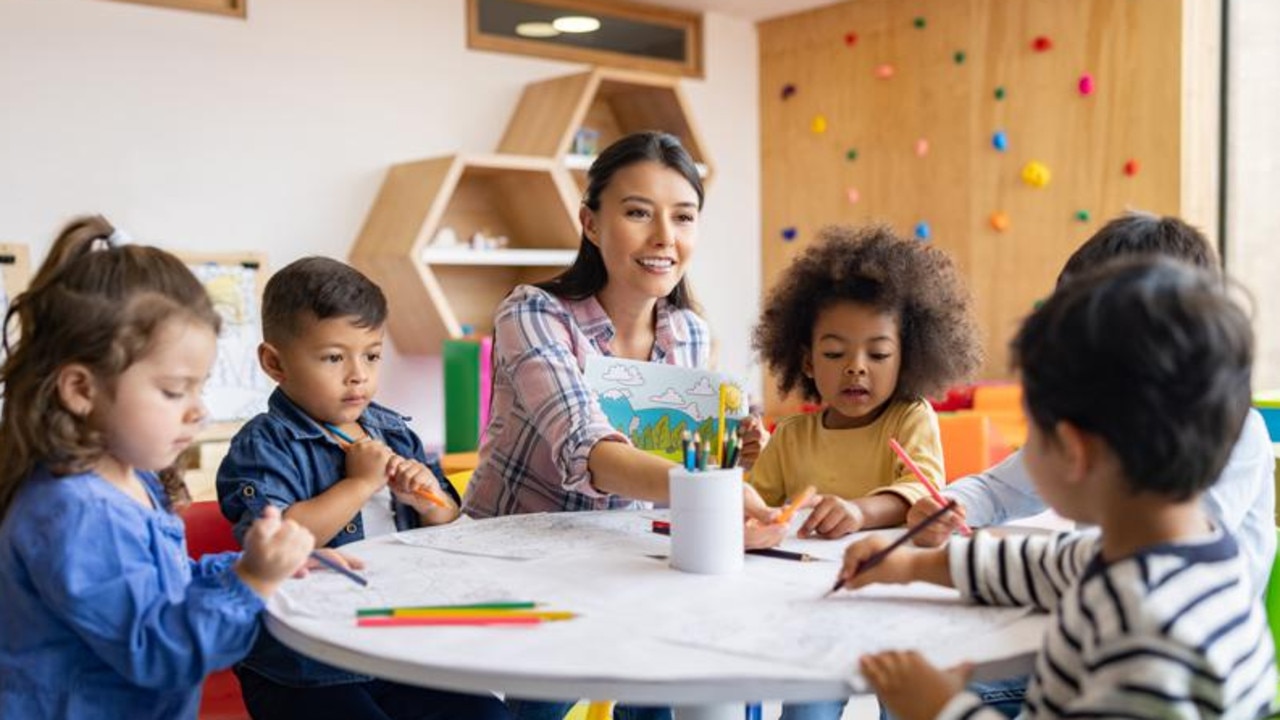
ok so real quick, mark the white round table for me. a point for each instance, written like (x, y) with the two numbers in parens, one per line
(644, 634)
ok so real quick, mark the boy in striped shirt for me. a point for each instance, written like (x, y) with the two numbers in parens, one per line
(1136, 382)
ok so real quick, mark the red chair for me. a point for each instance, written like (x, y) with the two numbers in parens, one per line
(209, 532)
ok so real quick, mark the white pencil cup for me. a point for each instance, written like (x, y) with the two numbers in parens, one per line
(706, 520)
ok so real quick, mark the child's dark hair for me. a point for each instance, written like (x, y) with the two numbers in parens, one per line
(1139, 233)
(322, 288)
(1149, 354)
(913, 281)
(99, 305)
(587, 275)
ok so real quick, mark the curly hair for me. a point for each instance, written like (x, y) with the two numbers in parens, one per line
(913, 281)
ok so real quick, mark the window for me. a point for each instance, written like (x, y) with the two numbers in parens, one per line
(617, 34)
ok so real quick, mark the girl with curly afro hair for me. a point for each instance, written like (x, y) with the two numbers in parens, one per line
(868, 324)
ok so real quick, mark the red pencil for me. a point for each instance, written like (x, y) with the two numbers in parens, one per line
(933, 491)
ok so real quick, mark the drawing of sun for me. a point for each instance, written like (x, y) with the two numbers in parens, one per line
(733, 399)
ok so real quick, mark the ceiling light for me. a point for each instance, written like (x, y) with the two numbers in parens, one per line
(576, 24)
(536, 30)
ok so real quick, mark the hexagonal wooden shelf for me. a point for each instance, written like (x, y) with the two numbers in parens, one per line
(434, 291)
(612, 102)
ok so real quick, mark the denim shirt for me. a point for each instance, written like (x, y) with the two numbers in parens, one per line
(282, 457)
(102, 614)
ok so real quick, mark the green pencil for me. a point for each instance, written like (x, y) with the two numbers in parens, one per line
(514, 605)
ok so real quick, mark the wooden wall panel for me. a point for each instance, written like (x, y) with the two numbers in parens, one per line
(1133, 48)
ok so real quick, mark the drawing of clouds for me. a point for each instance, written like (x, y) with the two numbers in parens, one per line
(703, 387)
(623, 375)
(616, 394)
(670, 397)
(694, 412)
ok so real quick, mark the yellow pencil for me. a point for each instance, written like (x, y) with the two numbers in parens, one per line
(724, 387)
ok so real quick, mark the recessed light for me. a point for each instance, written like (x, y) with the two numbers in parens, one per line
(536, 30)
(576, 24)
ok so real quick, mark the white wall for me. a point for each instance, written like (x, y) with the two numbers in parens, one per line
(1253, 171)
(193, 131)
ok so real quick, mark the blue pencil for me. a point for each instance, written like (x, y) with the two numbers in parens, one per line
(258, 506)
(334, 566)
(338, 431)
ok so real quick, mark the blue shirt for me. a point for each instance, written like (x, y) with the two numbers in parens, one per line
(283, 456)
(102, 614)
(1242, 500)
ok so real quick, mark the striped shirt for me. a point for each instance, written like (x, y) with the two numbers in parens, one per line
(1174, 631)
(544, 420)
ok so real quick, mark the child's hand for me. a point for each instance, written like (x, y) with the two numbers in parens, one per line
(940, 531)
(274, 549)
(410, 479)
(349, 562)
(756, 534)
(896, 568)
(909, 686)
(754, 438)
(369, 461)
(832, 518)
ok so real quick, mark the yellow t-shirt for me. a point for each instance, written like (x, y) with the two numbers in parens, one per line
(851, 463)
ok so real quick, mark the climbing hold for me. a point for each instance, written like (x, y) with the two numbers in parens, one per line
(999, 93)
(1036, 174)
(923, 231)
(919, 22)
(1083, 216)
(922, 147)
(1000, 141)
(819, 124)
(851, 154)
(884, 72)
(1042, 43)
(1000, 221)
(959, 57)
(852, 195)
(1131, 167)
(788, 233)
(1086, 84)
(851, 39)
(788, 90)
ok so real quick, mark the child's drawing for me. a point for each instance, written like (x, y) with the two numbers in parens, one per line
(654, 404)
(237, 388)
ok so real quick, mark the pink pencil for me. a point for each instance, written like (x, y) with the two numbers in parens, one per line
(933, 491)
(446, 620)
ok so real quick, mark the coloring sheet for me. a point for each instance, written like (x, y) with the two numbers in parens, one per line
(653, 404)
(529, 537)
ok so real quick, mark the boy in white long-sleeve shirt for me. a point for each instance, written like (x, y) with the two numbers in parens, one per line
(1242, 501)
(1136, 382)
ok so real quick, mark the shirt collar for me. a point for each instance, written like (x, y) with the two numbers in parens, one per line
(670, 327)
(303, 427)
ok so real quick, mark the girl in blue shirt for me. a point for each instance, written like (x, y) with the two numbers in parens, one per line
(104, 616)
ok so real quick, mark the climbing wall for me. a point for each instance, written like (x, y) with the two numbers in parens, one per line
(1003, 131)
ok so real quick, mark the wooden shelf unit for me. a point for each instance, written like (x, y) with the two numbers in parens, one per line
(529, 192)
(530, 200)
(612, 102)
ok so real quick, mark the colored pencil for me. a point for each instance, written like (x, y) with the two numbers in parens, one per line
(933, 491)
(798, 502)
(423, 493)
(662, 527)
(878, 557)
(721, 458)
(334, 566)
(445, 621)
(389, 611)
(687, 445)
(541, 615)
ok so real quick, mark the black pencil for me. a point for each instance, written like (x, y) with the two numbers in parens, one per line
(878, 557)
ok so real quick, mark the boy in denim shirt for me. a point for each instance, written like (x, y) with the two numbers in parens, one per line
(322, 326)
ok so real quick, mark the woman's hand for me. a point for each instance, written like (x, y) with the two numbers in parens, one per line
(754, 438)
